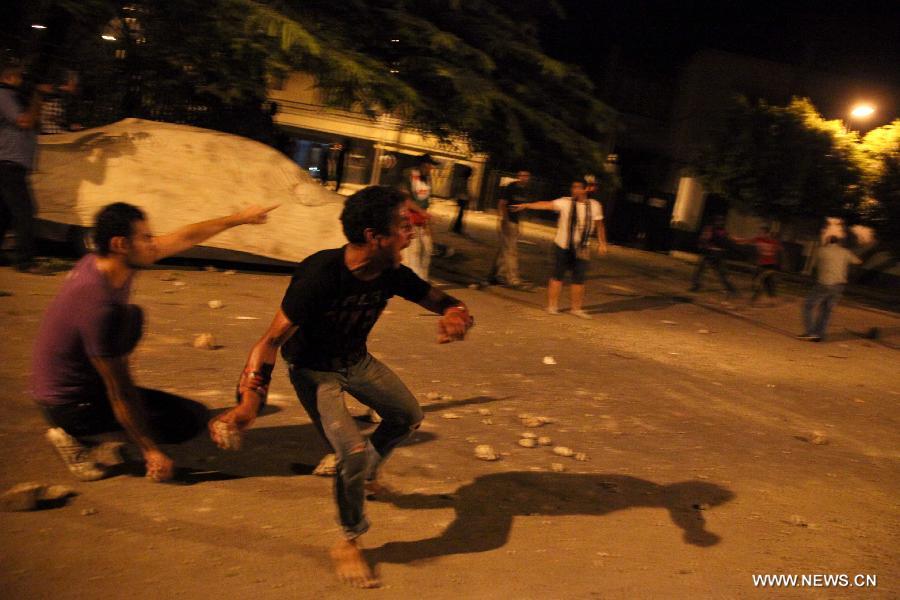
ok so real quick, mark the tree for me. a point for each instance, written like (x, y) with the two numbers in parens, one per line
(880, 207)
(784, 163)
(446, 67)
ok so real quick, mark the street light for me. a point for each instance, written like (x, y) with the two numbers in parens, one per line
(862, 111)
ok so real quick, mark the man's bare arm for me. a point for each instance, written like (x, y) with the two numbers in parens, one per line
(541, 205)
(129, 412)
(253, 384)
(191, 235)
(600, 229)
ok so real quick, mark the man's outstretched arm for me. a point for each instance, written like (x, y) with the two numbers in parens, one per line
(129, 412)
(227, 428)
(190, 235)
(455, 318)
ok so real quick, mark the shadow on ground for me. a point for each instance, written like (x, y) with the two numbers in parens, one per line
(485, 509)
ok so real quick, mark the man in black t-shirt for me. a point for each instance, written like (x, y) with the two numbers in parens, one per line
(505, 268)
(334, 299)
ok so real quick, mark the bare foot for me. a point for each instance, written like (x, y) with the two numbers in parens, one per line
(351, 567)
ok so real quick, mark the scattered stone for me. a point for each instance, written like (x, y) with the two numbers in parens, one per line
(703, 331)
(563, 451)
(210, 269)
(88, 512)
(532, 422)
(528, 434)
(242, 318)
(798, 521)
(487, 421)
(215, 304)
(179, 283)
(23, 496)
(546, 420)
(485, 452)
(549, 360)
(57, 492)
(667, 322)
(557, 467)
(449, 415)
(327, 467)
(545, 441)
(230, 272)
(581, 456)
(205, 341)
(484, 412)
(432, 396)
(819, 438)
(168, 277)
(528, 442)
(524, 416)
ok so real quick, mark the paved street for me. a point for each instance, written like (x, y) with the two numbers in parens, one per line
(717, 447)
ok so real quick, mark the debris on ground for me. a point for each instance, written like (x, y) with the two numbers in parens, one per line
(23, 496)
(557, 467)
(549, 360)
(528, 435)
(486, 452)
(528, 442)
(449, 415)
(215, 304)
(563, 451)
(205, 341)
(545, 441)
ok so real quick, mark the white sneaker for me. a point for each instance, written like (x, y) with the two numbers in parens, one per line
(581, 314)
(75, 455)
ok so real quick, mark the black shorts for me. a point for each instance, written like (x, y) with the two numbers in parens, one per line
(567, 260)
(171, 419)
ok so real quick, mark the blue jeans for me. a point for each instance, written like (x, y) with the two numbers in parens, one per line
(824, 298)
(376, 386)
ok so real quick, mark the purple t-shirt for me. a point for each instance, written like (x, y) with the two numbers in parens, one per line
(81, 322)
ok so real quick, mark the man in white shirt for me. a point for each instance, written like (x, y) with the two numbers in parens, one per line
(831, 263)
(579, 219)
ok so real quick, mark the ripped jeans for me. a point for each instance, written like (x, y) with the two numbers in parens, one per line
(376, 386)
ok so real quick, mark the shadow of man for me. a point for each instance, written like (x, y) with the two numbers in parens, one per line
(485, 508)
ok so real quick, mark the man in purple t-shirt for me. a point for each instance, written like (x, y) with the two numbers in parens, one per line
(80, 374)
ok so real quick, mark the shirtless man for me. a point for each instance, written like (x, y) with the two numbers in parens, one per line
(334, 299)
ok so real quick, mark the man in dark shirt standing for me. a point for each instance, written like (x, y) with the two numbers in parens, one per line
(334, 299)
(506, 264)
(18, 143)
(714, 245)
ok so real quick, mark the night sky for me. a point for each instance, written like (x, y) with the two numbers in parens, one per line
(858, 39)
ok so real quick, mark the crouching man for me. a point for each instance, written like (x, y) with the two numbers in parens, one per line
(80, 373)
(333, 301)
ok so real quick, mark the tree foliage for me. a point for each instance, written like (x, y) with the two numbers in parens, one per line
(446, 67)
(783, 162)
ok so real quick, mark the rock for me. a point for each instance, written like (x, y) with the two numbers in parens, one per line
(57, 492)
(449, 415)
(210, 269)
(545, 441)
(228, 435)
(546, 420)
(528, 442)
(557, 467)
(215, 304)
(524, 416)
(432, 396)
(581, 456)
(485, 452)
(168, 277)
(205, 341)
(179, 283)
(798, 521)
(230, 272)
(528, 434)
(549, 360)
(88, 512)
(23, 496)
(532, 422)
(484, 412)
(703, 331)
(327, 467)
(563, 451)
(487, 421)
(667, 322)
(819, 438)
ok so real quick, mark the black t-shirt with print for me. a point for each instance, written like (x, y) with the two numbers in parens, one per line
(514, 193)
(335, 311)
